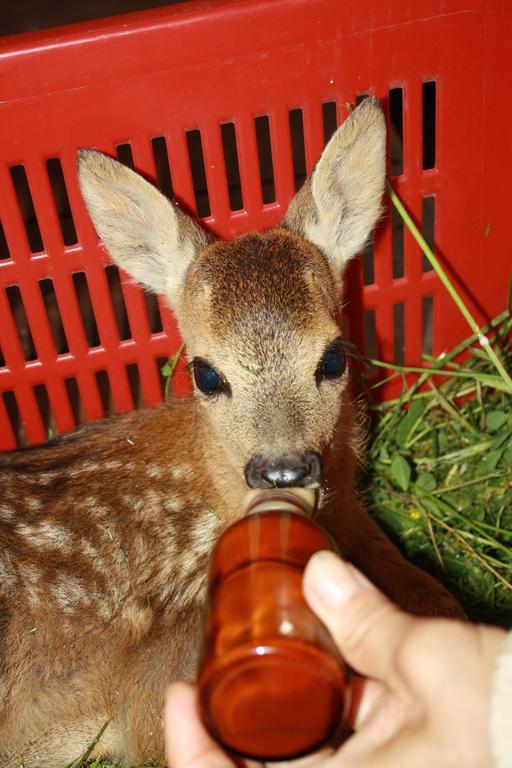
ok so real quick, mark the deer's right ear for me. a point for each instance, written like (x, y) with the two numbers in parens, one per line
(341, 200)
(149, 237)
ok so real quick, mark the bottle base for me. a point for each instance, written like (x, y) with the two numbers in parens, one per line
(273, 701)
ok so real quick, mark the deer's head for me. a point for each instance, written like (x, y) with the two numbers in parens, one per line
(259, 314)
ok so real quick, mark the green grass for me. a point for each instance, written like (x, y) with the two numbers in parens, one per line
(440, 475)
(441, 459)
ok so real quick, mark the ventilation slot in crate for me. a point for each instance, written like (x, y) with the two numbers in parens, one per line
(4, 249)
(370, 334)
(396, 131)
(118, 303)
(397, 243)
(26, 204)
(268, 189)
(429, 125)
(15, 419)
(162, 166)
(427, 325)
(53, 314)
(105, 392)
(75, 401)
(60, 196)
(298, 150)
(429, 227)
(45, 410)
(398, 334)
(368, 262)
(330, 119)
(153, 312)
(125, 155)
(229, 146)
(196, 159)
(21, 321)
(85, 306)
(134, 381)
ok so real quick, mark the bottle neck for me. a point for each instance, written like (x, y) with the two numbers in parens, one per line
(298, 500)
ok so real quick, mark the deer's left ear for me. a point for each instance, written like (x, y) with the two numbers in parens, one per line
(340, 202)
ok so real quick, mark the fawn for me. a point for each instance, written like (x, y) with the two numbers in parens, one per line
(106, 532)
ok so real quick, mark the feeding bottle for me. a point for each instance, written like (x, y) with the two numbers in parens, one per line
(272, 683)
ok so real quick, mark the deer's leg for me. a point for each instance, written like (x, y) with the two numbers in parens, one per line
(363, 543)
(169, 654)
(58, 745)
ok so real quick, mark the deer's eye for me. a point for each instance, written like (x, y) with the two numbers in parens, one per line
(333, 362)
(207, 379)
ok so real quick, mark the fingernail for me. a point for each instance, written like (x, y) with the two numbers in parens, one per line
(331, 580)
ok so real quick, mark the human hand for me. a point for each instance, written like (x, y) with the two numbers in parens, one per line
(425, 698)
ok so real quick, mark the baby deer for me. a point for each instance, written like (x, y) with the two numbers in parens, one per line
(105, 533)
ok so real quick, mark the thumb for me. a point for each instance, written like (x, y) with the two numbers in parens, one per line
(187, 744)
(368, 629)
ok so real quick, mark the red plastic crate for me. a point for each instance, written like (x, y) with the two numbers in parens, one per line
(169, 73)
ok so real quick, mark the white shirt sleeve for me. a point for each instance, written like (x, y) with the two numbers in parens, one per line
(501, 708)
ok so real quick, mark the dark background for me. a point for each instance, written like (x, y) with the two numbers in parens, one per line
(26, 15)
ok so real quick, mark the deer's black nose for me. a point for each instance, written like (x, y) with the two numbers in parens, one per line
(294, 470)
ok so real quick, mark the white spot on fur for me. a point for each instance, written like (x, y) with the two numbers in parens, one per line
(30, 581)
(89, 466)
(45, 534)
(137, 619)
(112, 465)
(92, 555)
(154, 470)
(70, 593)
(204, 534)
(173, 504)
(153, 501)
(45, 478)
(104, 608)
(130, 500)
(7, 575)
(33, 503)
(31, 574)
(181, 471)
(6, 513)
(92, 504)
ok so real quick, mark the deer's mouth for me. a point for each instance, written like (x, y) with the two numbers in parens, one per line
(293, 470)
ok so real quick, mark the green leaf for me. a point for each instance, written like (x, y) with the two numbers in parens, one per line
(383, 454)
(495, 420)
(508, 455)
(426, 482)
(499, 441)
(168, 369)
(492, 458)
(212, 511)
(409, 422)
(250, 369)
(400, 471)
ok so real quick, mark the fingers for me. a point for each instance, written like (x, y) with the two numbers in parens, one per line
(406, 750)
(368, 629)
(309, 761)
(365, 698)
(187, 744)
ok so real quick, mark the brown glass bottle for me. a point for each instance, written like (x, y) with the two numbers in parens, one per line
(271, 680)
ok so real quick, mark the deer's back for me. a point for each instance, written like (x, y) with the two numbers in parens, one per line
(104, 538)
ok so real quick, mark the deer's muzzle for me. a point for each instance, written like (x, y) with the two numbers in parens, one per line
(293, 470)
